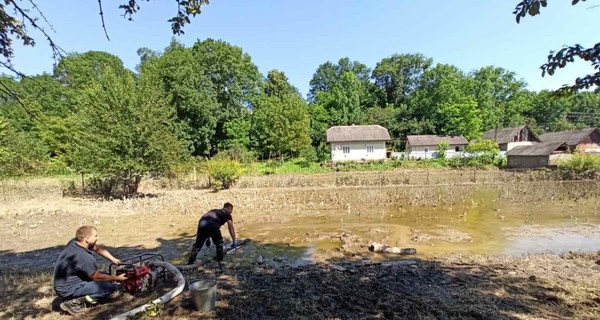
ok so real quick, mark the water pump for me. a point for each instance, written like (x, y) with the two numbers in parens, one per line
(141, 279)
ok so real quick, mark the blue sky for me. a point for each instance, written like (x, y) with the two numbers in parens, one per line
(297, 36)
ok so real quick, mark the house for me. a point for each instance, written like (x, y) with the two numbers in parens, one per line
(580, 140)
(508, 138)
(539, 155)
(357, 143)
(425, 146)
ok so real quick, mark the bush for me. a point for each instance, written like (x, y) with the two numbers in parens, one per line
(580, 166)
(224, 173)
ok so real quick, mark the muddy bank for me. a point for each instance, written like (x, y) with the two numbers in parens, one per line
(456, 287)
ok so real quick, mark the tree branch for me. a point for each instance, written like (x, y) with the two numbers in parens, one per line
(102, 18)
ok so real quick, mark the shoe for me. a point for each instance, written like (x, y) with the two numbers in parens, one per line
(73, 306)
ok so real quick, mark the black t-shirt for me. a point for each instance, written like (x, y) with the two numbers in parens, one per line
(73, 268)
(216, 217)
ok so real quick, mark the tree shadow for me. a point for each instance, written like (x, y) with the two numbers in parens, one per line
(264, 281)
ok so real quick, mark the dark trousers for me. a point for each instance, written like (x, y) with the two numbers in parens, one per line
(98, 290)
(204, 232)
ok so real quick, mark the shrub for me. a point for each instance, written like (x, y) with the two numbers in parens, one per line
(580, 166)
(441, 149)
(224, 173)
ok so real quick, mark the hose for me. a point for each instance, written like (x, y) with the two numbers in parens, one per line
(165, 298)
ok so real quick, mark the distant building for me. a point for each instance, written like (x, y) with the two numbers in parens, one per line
(539, 155)
(580, 140)
(425, 146)
(357, 143)
(508, 138)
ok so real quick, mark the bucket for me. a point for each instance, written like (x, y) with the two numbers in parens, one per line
(204, 294)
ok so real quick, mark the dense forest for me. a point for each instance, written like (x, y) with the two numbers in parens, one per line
(94, 115)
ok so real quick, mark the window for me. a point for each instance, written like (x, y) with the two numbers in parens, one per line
(457, 148)
(426, 149)
(346, 150)
(369, 149)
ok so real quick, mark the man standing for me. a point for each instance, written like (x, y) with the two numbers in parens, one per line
(76, 277)
(209, 227)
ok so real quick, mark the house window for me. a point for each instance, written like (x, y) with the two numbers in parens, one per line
(346, 150)
(369, 149)
(426, 149)
(457, 148)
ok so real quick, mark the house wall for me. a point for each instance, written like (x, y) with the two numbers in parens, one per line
(559, 157)
(419, 152)
(358, 151)
(583, 147)
(527, 161)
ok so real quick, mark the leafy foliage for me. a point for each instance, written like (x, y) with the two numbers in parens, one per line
(581, 165)
(224, 172)
(441, 149)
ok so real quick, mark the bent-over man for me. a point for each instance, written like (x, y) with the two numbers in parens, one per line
(209, 227)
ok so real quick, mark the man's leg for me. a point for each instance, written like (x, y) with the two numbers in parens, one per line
(95, 290)
(201, 237)
(217, 239)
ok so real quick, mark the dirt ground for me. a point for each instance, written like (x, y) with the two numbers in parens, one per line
(322, 270)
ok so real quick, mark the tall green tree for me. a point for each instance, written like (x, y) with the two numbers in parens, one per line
(124, 128)
(443, 85)
(500, 96)
(461, 118)
(191, 94)
(398, 76)
(329, 75)
(281, 118)
(343, 101)
(234, 79)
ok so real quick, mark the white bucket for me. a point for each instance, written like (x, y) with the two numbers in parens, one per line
(204, 294)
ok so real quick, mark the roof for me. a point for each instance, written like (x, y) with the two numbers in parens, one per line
(538, 149)
(572, 138)
(357, 133)
(505, 135)
(433, 140)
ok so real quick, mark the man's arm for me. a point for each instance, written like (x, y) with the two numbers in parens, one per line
(231, 230)
(99, 276)
(103, 252)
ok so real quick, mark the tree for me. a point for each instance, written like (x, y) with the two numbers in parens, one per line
(281, 118)
(342, 102)
(500, 97)
(124, 128)
(78, 70)
(560, 59)
(234, 79)
(399, 76)
(191, 95)
(460, 118)
(328, 75)
(443, 85)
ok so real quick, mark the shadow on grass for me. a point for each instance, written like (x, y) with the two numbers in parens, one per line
(272, 290)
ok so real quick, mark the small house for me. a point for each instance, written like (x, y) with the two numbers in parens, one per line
(425, 146)
(358, 143)
(580, 140)
(508, 138)
(539, 155)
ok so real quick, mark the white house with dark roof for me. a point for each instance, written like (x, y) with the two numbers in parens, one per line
(425, 146)
(357, 143)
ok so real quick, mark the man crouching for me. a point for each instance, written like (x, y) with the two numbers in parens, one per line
(76, 277)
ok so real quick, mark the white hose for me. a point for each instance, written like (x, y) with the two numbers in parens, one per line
(165, 298)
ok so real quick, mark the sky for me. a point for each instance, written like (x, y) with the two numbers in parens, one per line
(297, 36)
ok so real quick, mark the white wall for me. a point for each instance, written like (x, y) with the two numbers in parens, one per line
(358, 151)
(419, 152)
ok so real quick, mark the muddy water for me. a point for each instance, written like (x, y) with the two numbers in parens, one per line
(488, 220)
(483, 224)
